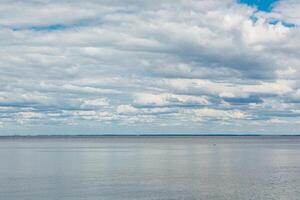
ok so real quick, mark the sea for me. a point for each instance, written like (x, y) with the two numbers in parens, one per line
(150, 168)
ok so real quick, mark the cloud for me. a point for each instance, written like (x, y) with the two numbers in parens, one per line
(123, 65)
(130, 110)
(94, 103)
(288, 11)
(169, 100)
(220, 114)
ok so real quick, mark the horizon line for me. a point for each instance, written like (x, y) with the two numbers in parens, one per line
(151, 135)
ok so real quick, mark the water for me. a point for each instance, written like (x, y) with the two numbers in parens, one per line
(147, 168)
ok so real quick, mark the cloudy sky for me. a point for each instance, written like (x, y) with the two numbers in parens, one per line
(149, 66)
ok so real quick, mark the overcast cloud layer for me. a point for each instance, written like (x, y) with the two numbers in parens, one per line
(173, 66)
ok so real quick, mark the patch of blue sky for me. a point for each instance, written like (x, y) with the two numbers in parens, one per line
(273, 21)
(57, 26)
(52, 27)
(254, 18)
(265, 6)
(286, 24)
(262, 5)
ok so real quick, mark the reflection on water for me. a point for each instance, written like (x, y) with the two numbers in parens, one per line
(150, 168)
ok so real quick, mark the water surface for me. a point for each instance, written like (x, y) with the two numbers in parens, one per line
(149, 168)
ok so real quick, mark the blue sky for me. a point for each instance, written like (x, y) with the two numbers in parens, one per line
(263, 5)
(128, 67)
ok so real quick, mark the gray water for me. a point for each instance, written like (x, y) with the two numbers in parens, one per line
(150, 168)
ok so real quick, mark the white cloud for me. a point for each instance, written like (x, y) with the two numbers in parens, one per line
(95, 103)
(124, 109)
(167, 99)
(220, 114)
(262, 33)
(288, 10)
(147, 62)
(276, 121)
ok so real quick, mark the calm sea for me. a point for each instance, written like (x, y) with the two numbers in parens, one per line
(150, 168)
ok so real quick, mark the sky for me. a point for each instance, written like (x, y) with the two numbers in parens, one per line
(154, 67)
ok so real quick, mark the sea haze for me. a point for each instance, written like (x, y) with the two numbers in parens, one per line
(121, 168)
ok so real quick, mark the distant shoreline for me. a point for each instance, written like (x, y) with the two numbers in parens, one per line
(146, 135)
